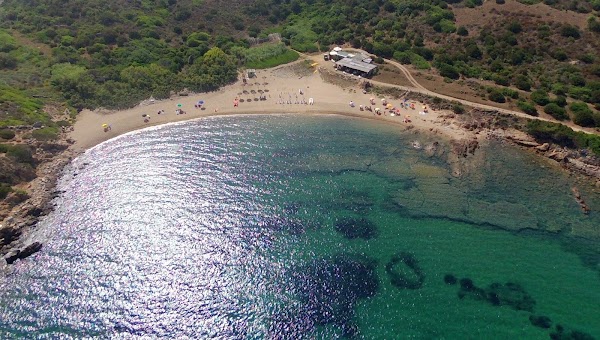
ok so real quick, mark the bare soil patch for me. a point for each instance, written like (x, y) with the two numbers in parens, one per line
(491, 12)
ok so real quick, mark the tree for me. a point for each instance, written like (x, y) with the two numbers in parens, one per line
(523, 83)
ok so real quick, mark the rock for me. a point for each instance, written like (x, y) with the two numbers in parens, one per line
(30, 250)
(12, 256)
(558, 155)
(544, 147)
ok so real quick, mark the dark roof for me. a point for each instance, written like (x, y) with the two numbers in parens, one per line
(356, 65)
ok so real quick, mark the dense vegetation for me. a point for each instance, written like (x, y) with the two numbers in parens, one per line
(114, 53)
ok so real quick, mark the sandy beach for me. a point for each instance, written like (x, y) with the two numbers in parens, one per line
(285, 89)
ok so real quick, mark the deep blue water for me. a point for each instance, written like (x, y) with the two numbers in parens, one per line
(276, 227)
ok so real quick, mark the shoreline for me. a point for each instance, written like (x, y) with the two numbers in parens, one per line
(276, 84)
(284, 90)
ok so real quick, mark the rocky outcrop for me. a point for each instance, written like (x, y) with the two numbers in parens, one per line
(584, 207)
(464, 148)
(25, 215)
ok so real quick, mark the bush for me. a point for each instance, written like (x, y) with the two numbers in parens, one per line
(45, 134)
(20, 153)
(568, 31)
(560, 101)
(527, 107)
(5, 189)
(458, 108)
(556, 111)
(496, 96)
(523, 83)
(448, 71)
(583, 115)
(540, 97)
(563, 135)
(7, 134)
(462, 31)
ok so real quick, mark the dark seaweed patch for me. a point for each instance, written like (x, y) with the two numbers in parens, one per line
(497, 294)
(328, 289)
(450, 279)
(353, 228)
(404, 271)
(561, 334)
(540, 321)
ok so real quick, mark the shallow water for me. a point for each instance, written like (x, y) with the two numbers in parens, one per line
(305, 227)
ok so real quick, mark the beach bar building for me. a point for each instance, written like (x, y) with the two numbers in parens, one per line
(356, 66)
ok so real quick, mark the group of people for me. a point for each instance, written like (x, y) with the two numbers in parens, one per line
(393, 111)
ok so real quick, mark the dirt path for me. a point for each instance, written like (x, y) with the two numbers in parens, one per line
(416, 87)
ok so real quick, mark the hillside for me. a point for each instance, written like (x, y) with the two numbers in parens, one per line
(57, 57)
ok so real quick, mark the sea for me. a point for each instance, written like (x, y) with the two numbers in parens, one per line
(307, 227)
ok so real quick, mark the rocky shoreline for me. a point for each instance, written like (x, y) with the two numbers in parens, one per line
(14, 230)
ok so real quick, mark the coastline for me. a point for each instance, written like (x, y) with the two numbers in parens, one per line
(286, 89)
(280, 83)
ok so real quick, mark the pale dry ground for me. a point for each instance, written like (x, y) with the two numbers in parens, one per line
(284, 80)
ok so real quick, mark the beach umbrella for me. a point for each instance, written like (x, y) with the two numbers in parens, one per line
(179, 105)
(389, 106)
(382, 99)
(104, 125)
(201, 102)
(144, 115)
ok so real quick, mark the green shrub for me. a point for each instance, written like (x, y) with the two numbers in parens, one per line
(496, 96)
(7, 134)
(45, 134)
(540, 97)
(527, 107)
(462, 31)
(563, 135)
(19, 152)
(523, 83)
(458, 108)
(556, 111)
(5, 189)
(560, 101)
(568, 31)
(583, 115)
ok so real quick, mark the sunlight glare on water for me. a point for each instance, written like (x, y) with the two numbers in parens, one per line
(303, 227)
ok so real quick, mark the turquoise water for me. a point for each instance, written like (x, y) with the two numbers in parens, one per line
(307, 227)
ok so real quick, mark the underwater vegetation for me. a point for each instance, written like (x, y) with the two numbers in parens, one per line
(404, 271)
(540, 321)
(561, 334)
(328, 289)
(513, 295)
(353, 228)
(498, 294)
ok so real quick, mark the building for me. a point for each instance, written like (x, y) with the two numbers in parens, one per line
(356, 66)
(355, 63)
